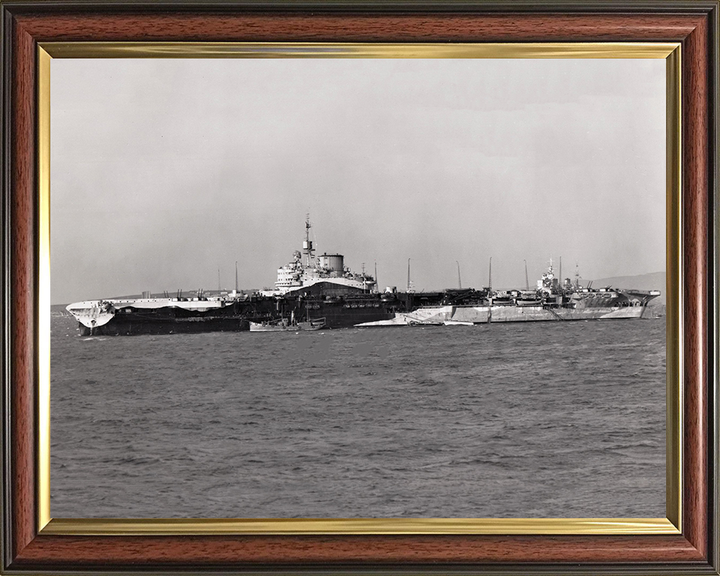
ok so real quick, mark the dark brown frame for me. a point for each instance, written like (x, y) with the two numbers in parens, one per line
(693, 23)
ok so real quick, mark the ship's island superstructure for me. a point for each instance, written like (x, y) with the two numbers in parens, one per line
(306, 270)
(321, 292)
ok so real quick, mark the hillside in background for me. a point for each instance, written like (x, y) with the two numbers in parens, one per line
(652, 281)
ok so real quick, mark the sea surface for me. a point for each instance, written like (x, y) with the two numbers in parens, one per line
(547, 419)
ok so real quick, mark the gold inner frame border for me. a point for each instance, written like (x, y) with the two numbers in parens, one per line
(669, 51)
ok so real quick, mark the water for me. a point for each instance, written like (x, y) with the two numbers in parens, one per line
(554, 419)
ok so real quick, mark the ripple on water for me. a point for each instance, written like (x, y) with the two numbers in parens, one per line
(538, 419)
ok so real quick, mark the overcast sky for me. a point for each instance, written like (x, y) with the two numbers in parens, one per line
(164, 171)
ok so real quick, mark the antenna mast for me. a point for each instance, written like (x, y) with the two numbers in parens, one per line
(560, 272)
(307, 245)
(577, 276)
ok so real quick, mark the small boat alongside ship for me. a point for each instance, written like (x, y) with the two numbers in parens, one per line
(288, 325)
(329, 295)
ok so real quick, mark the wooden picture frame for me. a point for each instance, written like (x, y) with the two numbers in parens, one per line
(30, 545)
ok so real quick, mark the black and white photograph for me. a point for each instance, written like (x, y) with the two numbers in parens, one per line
(358, 288)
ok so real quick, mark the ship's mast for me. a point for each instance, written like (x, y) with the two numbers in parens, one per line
(577, 276)
(307, 244)
(459, 280)
(527, 282)
(560, 272)
(410, 287)
(490, 275)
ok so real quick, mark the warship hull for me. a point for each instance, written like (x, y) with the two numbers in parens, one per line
(125, 319)
(464, 315)
(164, 324)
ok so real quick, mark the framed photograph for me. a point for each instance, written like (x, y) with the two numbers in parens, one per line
(360, 287)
